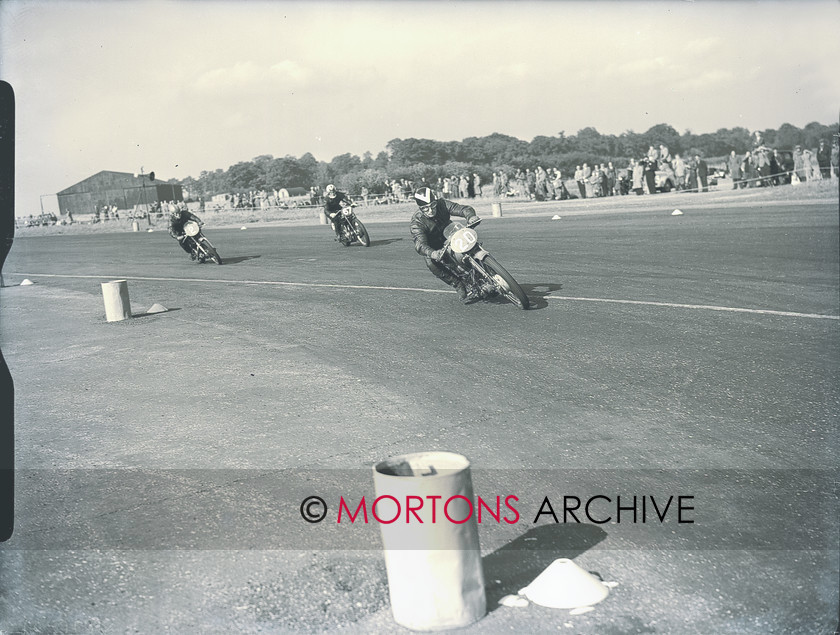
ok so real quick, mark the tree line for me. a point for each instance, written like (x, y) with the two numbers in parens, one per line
(425, 160)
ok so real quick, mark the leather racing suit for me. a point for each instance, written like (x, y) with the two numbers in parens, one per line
(332, 208)
(428, 234)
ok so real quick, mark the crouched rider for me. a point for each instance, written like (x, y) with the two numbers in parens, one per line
(333, 202)
(427, 227)
(178, 217)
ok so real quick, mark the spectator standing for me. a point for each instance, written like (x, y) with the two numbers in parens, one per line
(835, 158)
(611, 179)
(604, 181)
(540, 189)
(734, 167)
(477, 184)
(748, 170)
(595, 181)
(550, 192)
(812, 168)
(702, 173)
(638, 177)
(761, 157)
(587, 174)
(580, 182)
(463, 186)
(679, 172)
(691, 175)
(824, 159)
(799, 164)
(650, 172)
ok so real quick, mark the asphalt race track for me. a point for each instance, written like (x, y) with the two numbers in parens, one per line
(162, 460)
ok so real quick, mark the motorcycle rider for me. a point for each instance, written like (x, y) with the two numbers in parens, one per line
(178, 216)
(427, 227)
(333, 200)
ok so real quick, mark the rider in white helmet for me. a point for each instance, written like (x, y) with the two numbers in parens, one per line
(178, 215)
(333, 202)
(427, 227)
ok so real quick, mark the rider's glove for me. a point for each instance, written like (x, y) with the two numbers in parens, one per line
(437, 255)
(475, 220)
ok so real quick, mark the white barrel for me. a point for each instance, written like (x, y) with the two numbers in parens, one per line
(323, 216)
(435, 575)
(496, 209)
(117, 304)
(135, 226)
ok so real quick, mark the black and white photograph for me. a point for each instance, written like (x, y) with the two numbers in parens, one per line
(381, 317)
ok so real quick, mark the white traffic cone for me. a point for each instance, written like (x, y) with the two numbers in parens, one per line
(564, 585)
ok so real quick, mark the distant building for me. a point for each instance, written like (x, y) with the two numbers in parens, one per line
(123, 189)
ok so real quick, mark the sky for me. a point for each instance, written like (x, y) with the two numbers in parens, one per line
(184, 86)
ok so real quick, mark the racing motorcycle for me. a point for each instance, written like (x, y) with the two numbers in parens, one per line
(468, 259)
(350, 227)
(201, 248)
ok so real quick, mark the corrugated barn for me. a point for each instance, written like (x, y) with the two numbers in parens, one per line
(122, 189)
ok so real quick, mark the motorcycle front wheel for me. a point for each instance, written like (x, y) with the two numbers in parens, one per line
(507, 286)
(361, 232)
(212, 254)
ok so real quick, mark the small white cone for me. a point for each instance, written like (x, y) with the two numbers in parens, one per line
(26, 282)
(556, 217)
(564, 585)
(243, 227)
(157, 308)
(676, 212)
(150, 230)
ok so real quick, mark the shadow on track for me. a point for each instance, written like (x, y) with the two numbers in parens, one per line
(516, 564)
(536, 294)
(237, 259)
(141, 315)
(377, 243)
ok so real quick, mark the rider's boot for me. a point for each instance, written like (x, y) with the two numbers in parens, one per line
(467, 292)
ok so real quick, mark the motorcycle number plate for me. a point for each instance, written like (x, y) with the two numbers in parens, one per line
(463, 240)
(191, 228)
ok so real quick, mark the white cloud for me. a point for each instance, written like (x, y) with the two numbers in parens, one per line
(704, 45)
(289, 70)
(706, 81)
(249, 74)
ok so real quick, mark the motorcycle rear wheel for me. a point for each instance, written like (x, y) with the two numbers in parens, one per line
(361, 232)
(508, 287)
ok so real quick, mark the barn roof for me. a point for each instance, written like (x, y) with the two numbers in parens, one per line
(106, 179)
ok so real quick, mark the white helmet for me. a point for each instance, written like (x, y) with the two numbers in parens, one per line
(330, 191)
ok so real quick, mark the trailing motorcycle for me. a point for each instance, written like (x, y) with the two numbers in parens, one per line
(201, 248)
(468, 259)
(351, 228)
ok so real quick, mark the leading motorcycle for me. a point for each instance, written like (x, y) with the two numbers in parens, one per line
(201, 248)
(468, 259)
(350, 227)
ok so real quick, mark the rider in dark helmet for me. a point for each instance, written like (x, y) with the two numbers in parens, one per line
(333, 200)
(427, 227)
(178, 216)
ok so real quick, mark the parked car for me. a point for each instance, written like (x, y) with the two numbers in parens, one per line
(665, 180)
